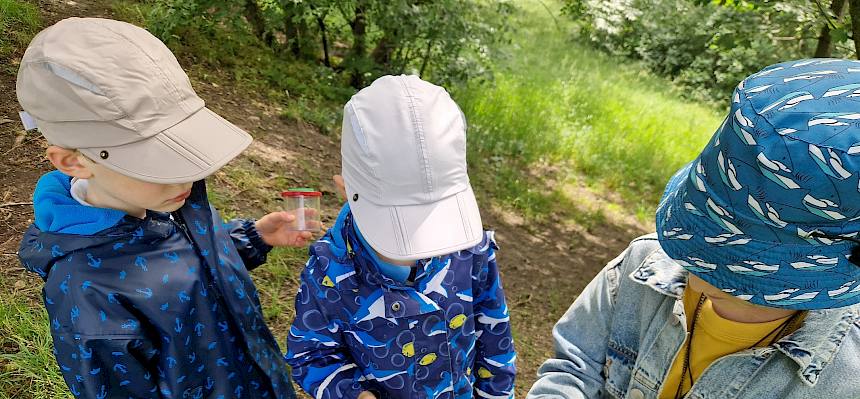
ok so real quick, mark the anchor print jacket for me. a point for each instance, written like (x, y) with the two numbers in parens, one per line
(161, 307)
(446, 336)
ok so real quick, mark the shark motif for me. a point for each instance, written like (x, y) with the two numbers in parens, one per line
(854, 90)
(435, 285)
(718, 214)
(728, 173)
(677, 233)
(754, 268)
(770, 217)
(845, 291)
(789, 101)
(820, 207)
(833, 119)
(775, 170)
(830, 163)
(816, 263)
(727, 239)
(785, 298)
(373, 307)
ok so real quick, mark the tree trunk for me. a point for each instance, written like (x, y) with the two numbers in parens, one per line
(293, 34)
(321, 22)
(359, 30)
(825, 48)
(255, 19)
(383, 51)
(426, 58)
(854, 10)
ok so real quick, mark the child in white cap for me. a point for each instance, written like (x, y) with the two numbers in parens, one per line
(147, 289)
(402, 297)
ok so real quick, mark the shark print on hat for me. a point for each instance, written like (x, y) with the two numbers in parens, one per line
(767, 210)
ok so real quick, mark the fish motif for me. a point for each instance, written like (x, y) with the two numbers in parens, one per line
(428, 359)
(408, 349)
(833, 119)
(457, 321)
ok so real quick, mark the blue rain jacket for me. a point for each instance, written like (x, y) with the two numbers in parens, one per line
(161, 307)
(446, 336)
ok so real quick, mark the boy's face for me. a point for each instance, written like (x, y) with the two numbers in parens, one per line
(109, 189)
(136, 193)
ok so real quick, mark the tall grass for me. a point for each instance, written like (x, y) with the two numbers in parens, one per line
(19, 21)
(556, 104)
(27, 365)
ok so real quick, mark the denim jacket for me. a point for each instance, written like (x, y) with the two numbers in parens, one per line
(622, 334)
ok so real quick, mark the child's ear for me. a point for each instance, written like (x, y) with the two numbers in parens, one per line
(339, 186)
(70, 162)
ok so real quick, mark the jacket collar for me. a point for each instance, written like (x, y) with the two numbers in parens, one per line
(346, 243)
(813, 346)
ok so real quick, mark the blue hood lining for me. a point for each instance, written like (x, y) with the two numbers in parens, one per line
(57, 212)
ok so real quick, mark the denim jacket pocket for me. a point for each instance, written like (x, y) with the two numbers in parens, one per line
(618, 368)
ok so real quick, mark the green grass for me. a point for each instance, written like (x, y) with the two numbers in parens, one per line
(27, 365)
(19, 21)
(558, 103)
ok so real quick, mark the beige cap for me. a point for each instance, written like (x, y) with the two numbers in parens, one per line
(116, 93)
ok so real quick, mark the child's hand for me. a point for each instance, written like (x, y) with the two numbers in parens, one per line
(274, 229)
(366, 395)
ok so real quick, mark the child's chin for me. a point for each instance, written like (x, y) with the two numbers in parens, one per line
(173, 206)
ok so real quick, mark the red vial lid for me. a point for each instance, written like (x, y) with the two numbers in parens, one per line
(291, 193)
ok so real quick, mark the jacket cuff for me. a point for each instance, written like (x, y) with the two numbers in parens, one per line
(256, 239)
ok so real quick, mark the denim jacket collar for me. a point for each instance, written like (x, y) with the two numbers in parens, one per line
(812, 347)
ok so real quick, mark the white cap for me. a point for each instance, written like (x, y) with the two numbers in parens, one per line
(404, 167)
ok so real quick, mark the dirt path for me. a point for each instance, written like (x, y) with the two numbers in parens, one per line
(544, 266)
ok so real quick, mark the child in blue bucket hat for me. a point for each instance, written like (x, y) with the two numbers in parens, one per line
(750, 287)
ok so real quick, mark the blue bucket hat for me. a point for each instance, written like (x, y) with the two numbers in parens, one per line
(767, 210)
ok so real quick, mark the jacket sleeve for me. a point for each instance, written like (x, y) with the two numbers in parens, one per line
(580, 338)
(495, 359)
(316, 353)
(250, 245)
(100, 368)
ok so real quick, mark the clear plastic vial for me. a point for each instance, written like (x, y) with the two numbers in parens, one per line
(304, 204)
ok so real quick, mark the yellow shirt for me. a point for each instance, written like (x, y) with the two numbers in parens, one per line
(714, 338)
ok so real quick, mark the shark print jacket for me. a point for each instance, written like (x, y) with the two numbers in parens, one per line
(445, 336)
(161, 307)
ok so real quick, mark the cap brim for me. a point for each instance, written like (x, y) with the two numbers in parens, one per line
(186, 152)
(420, 231)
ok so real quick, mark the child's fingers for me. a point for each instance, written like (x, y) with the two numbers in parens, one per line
(286, 217)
